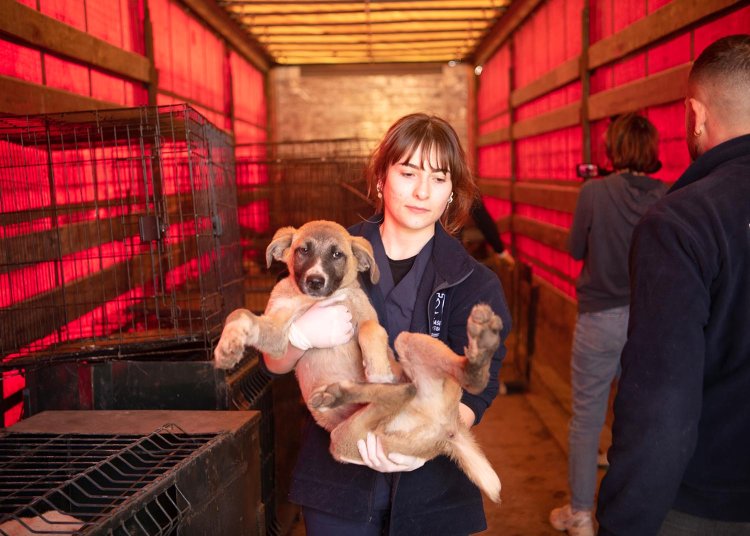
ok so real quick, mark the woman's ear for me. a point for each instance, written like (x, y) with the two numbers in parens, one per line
(278, 249)
(362, 250)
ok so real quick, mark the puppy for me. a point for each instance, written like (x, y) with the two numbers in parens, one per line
(418, 416)
(324, 262)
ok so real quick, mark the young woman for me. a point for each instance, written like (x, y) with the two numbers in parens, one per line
(606, 213)
(428, 284)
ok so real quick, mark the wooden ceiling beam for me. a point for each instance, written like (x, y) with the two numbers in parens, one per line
(317, 29)
(285, 22)
(421, 35)
(406, 44)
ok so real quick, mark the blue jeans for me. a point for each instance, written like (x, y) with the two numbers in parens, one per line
(681, 524)
(595, 362)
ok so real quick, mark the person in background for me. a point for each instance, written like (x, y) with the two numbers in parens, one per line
(605, 215)
(486, 225)
(428, 284)
(680, 458)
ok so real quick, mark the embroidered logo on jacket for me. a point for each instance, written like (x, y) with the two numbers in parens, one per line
(438, 303)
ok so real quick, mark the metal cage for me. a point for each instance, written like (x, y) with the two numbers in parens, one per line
(119, 232)
(113, 473)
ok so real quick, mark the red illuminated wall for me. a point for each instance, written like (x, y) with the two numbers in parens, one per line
(536, 119)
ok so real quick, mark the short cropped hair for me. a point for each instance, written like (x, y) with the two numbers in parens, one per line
(430, 133)
(632, 143)
(727, 58)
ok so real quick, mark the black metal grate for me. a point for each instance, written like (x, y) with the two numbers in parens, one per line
(113, 484)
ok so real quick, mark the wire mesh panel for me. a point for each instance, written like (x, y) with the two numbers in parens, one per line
(119, 230)
(89, 484)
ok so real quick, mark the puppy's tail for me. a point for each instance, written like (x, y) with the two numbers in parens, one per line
(472, 461)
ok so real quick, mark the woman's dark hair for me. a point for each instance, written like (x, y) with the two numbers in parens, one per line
(432, 135)
(632, 143)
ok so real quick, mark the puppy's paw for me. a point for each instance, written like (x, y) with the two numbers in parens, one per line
(483, 328)
(329, 397)
(236, 336)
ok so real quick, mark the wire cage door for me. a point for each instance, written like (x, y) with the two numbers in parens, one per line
(119, 233)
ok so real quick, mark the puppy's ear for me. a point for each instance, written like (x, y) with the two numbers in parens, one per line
(365, 257)
(279, 246)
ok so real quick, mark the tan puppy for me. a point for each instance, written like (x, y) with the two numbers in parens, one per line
(417, 417)
(324, 261)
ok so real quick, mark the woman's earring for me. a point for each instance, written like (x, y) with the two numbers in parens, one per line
(379, 189)
(450, 199)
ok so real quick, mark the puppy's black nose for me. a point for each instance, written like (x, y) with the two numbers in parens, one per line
(315, 282)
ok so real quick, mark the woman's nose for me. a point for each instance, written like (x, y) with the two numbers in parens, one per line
(422, 190)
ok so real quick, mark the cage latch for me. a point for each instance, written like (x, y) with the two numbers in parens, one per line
(148, 226)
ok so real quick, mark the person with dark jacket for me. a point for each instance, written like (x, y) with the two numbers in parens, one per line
(428, 284)
(680, 457)
(605, 215)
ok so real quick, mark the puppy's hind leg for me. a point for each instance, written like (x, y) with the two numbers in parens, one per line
(483, 330)
(385, 400)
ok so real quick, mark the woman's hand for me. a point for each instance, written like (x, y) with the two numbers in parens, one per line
(373, 456)
(326, 324)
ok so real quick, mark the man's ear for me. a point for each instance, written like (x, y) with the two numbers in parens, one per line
(278, 249)
(362, 250)
(697, 110)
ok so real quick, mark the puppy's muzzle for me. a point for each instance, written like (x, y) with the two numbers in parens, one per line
(315, 285)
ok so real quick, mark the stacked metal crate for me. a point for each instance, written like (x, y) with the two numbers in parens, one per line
(120, 258)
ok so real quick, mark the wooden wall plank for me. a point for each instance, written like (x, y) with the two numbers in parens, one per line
(25, 98)
(494, 137)
(500, 189)
(548, 196)
(517, 13)
(546, 233)
(53, 244)
(565, 116)
(34, 28)
(660, 88)
(556, 78)
(556, 318)
(27, 321)
(220, 21)
(673, 17)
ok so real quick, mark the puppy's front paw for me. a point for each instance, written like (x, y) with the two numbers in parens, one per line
(483, 328)
(236, 336)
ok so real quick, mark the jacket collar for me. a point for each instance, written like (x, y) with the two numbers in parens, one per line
(713, 158)
(451, 261)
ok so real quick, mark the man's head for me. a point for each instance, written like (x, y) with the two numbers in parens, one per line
(717, 107)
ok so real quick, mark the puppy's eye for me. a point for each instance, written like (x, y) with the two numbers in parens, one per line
(336, 254)
(303, 250)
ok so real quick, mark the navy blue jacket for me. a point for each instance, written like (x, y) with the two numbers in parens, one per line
(437, 498)
(681, 434)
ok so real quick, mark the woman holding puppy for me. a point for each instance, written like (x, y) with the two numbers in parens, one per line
(429, 283)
